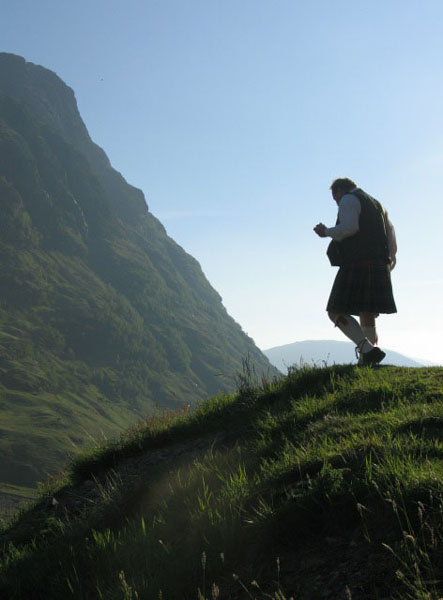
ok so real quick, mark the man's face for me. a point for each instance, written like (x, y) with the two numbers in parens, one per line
(337, 194)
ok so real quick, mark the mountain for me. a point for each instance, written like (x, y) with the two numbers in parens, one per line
(103, 317)
(325, 484)
(326, 352)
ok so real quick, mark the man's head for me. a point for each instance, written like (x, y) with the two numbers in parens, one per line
(341, 186)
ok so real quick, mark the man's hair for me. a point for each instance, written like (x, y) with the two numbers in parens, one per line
(343, 184)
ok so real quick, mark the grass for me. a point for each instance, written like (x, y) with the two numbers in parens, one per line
(39, 431)
(324, 484)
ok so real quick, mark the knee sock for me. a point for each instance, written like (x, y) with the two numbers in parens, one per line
(351, 328)
(370, 332)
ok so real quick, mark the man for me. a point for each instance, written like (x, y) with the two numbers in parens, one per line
(365, 248)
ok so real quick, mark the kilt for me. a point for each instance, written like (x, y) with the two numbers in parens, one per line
(364, 287)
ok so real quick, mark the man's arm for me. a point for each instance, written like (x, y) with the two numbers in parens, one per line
(392, 242)
(348, 215)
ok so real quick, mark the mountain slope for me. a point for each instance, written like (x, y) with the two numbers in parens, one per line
(324, 484)
(103, 317)
(326, 352)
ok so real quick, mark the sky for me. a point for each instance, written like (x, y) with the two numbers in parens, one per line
(234, 117)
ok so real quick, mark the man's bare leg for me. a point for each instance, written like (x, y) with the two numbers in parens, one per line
(351, 328)
(367, 323)
(368, 353)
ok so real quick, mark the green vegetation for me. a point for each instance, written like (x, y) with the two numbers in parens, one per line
(326, 483)
(103, 317)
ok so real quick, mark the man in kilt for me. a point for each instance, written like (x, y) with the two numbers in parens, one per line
(364, 246)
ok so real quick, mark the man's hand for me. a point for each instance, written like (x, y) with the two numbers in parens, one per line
(320, 230)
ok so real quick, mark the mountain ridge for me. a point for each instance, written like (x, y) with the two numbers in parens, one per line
(103, 317)
(328, 352)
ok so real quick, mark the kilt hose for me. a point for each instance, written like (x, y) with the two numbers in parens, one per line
(362, 287)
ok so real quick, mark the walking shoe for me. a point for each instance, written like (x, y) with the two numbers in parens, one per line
(373, 357)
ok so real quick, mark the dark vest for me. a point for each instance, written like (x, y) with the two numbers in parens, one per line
(370, 243)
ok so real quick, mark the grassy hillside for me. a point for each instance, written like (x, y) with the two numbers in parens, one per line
(324, 484)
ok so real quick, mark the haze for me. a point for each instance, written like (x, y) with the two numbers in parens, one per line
(234, 117)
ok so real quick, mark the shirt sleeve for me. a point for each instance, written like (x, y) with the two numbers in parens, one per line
(349, 210)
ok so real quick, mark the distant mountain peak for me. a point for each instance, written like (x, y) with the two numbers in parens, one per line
(326, 352)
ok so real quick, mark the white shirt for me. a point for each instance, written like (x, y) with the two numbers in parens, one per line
(349, 210)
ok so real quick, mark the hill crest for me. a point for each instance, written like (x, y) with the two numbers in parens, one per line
(328, 352)
(325, 483)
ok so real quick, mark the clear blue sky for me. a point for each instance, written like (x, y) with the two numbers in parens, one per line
(234, 116)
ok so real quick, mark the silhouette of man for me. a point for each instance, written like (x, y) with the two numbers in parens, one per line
(364, 246)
